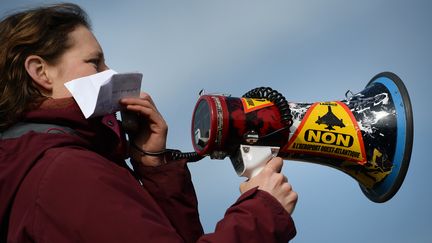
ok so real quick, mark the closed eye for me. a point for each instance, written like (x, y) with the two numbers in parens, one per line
(97, 60)
(94, 61)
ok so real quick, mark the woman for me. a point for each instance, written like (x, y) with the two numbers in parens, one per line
(70, 183)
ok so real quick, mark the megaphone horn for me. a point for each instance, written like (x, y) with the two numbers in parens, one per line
(368, 135)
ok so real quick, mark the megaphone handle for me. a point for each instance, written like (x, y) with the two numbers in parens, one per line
(254, 158)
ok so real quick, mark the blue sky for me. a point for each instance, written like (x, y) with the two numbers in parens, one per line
(309, 50)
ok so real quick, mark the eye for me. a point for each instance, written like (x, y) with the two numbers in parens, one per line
(94, 61)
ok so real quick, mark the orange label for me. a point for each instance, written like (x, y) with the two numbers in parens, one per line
(329, 128)
(251, 104)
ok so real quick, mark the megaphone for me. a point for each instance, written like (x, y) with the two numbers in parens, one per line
(368, 135)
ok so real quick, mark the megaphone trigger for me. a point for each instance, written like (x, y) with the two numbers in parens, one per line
(250, 160)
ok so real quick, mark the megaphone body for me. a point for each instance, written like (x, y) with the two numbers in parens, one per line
(368, 135)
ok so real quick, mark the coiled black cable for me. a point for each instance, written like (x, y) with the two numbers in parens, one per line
(277, 98)
(189, 156)
(170, 154)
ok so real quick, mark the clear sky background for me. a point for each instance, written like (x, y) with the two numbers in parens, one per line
(309, 50)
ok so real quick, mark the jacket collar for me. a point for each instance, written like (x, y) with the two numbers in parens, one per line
(104, 133)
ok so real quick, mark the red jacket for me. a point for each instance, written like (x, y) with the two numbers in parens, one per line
(77, 188)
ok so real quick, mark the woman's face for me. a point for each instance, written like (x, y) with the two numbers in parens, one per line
(83, 58)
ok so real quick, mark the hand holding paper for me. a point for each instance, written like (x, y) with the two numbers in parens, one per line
(99, 94)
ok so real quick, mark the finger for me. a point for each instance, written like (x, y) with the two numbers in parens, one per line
(137, 101)
(287, 187)
(275, 164)
(293, 197)
(143, 99)
(146, 96)
(141, 110)
(140, 104)
(148, 113)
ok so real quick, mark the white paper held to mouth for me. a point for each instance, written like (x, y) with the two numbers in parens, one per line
(99, 94)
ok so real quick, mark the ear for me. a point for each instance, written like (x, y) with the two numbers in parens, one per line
(37, 69)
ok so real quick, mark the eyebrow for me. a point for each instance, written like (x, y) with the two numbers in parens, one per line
(97, 54)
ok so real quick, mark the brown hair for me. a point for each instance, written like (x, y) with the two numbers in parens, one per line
(41, 31)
